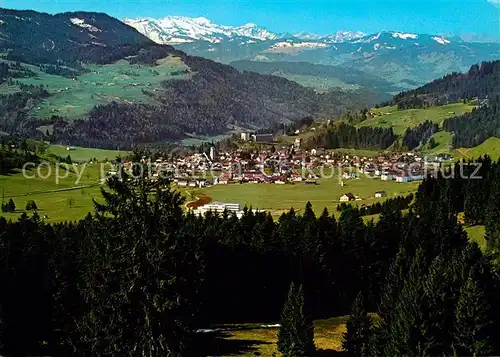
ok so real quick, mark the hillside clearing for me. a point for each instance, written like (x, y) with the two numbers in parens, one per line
(102, 84)
(400, 120)
(248, 340)
(86, 154)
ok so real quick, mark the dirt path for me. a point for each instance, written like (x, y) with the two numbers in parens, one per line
(200, 200)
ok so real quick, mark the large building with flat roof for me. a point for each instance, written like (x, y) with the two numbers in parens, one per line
(220, 207)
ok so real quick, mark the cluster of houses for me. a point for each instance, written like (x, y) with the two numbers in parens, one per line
(288, 165)
(352, 197)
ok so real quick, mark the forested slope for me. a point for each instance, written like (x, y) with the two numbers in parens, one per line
(480, 84)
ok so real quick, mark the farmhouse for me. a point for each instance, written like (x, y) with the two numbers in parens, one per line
(380, 194)
(347, 197)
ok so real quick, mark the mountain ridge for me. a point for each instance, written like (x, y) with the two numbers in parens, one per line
(184, 29)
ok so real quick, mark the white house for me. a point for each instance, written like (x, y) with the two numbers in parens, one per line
(386, 177)
(347, 197)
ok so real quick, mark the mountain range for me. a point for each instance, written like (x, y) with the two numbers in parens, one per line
(404, 60)
(173, 30)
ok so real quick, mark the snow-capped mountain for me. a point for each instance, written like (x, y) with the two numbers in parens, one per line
(179, 29)
(401, 59)
(338, 37)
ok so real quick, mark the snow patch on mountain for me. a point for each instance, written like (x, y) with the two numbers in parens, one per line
(441, 40)
(404, 36)
(179, 29)
(296, 45)
(343, 36)
(79, 22)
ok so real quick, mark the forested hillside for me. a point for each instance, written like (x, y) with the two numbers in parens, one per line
(480, 84)
(481, 81)
(67, 38)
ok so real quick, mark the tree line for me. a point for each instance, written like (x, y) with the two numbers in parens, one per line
(343, 135)
(400, 202)
(420, 135)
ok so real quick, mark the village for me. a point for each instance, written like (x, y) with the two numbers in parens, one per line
(289, 165)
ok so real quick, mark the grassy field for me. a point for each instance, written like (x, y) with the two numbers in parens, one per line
(67, 199)
(85, 154)
(444, 139)
(118, 81)
(476, 234)
(280, 198)
(399, 120)
(491, 147)
(256, 340)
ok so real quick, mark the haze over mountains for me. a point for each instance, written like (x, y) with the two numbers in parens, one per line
(404, 60)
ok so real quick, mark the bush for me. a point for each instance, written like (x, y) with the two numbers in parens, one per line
(9, 206)
(31, 206)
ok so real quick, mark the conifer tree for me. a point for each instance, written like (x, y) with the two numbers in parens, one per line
(150, 270)
(405, 336)
(492, 220)
(359, 328)
(472, 320)
(296, 333)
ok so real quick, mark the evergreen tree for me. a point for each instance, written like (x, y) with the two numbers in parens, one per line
(9, 206)
(31, 206)
(359, 328)
(405, 335)
(296, 333)
(473, 321)
(150, 272)
(492, 220)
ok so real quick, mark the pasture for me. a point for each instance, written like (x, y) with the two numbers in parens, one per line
(248, 340)
(476, 234)
(278, 199)
(490, 147)
(119, 81)
(85, 154)
(60, 200)
(400, 120)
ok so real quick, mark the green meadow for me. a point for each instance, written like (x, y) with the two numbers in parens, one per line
(85, 154)
(255, 339)
(280, 198)
(59, 194)
(400, 120)
(119, 81)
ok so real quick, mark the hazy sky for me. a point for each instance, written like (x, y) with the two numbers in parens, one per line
(317, 16)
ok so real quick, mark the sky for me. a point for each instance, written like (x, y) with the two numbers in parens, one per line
(481, 17)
